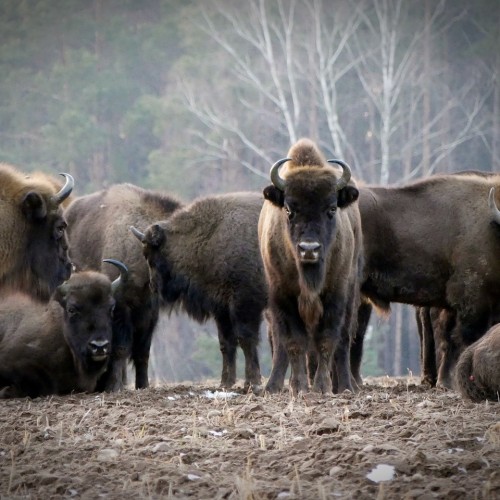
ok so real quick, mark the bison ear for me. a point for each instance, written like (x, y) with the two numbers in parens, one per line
(274, 195)
(346, 196)
(156, 236)
(60, 294)
(34, 206)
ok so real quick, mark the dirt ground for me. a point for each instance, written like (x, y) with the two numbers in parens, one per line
(394, 439)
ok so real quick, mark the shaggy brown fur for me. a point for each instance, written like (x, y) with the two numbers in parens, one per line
(99, 227)
(311, 305)
(33, 246)
(433, 243)
(477, 374)
(59, 347)
(205, 258)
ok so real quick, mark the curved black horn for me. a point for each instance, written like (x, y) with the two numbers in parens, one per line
(278, 181)
(140, 236)
(65, 190)
(493, 206)
(346, 174)
(116, 285)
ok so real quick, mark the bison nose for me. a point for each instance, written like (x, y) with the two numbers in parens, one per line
(99, 347)
(309, 251)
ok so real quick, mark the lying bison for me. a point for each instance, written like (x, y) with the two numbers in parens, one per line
(205, 258)
(59, 347)
(98, 226)
(311, 242)
(33, 249)
(477, 374)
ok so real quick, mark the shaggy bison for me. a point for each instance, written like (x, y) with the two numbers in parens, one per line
(98, 225)
(206, 259)
(59, 347)
(477, 374)
(33, 246)
(310, 240)
(414, 255)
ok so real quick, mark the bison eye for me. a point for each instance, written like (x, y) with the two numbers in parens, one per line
(72, 310)
(331, 211)
(289, 212)
(59, 231)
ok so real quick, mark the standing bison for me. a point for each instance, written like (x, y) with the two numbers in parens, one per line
(206, 259)
(435, 243)
(33, 246)
(98, 226)
(59, 347)
(310, 240)
(477, 375)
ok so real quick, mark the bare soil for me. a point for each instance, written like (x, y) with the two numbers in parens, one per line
(190, 441)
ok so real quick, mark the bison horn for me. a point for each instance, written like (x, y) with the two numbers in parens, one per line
(65, 190)
(118, 283)
(346, 175)
(493, 206)
(140, 236)
(278, 181)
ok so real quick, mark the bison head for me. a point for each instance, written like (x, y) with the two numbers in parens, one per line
(87, 299)
(309, 198)
(45, 257)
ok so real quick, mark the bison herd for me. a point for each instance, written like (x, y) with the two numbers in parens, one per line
(311, 256)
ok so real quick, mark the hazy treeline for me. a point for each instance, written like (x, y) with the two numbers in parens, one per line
(202, 97)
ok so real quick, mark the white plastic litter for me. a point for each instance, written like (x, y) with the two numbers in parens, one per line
(381, 473)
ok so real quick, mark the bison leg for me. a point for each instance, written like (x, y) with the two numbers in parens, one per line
(246, 322)
(427, 346)
(298, 378)
(447, 347)
(322, 379)
(276, 380)
(280, 365)
(227, 345)
(356, 353)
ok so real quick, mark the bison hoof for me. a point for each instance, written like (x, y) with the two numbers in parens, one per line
(273, 388)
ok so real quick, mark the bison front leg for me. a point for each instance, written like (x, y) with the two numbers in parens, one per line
(322, 378)
(296, 347)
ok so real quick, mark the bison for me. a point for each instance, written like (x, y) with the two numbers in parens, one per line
(98, 225)
(311, 253)
(435, 243)
(477, 374)
(205, 258)
(60, 346)
(33, 246)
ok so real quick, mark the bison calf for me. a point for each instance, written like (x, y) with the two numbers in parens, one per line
(477, 374)
(206, 258)
(59, 347)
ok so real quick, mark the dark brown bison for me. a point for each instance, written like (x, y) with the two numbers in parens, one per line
(435, 243)
(98, 226)
(477, 374)
(33, 246)
(310, 240)
(205, 258)
(59, 347)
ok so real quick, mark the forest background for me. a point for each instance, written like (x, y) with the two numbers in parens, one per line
(196, 98)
